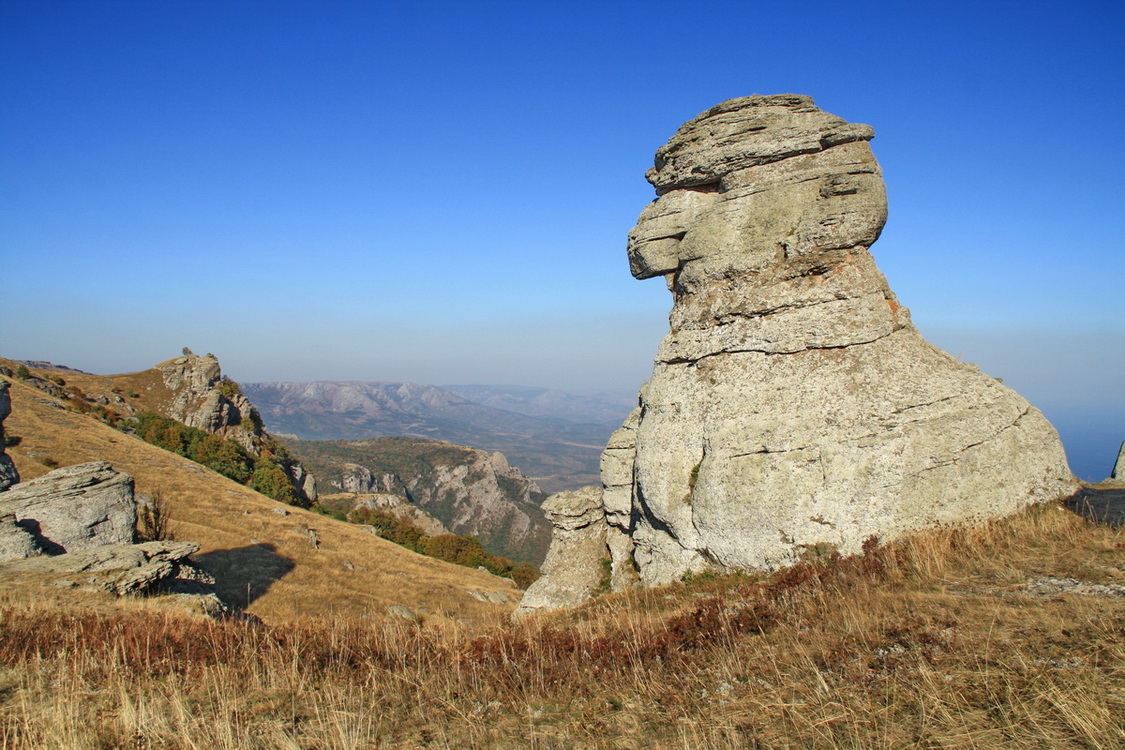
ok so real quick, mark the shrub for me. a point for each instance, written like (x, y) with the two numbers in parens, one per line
(152, 518)
(224, 456)
(22, 372)
(271, 481)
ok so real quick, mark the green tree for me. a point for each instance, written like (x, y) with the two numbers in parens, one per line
(271, 481)
(224, 456)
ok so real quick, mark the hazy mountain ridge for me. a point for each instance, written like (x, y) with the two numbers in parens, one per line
(557, 453)
(549, 403)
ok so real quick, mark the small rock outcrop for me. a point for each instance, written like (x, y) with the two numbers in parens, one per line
(16, 542)
(400, 507)
(202, 398)
(792, 404)
(8, 473)
(74, 508)
(1118, 472)
(121, 569)
(574, 568)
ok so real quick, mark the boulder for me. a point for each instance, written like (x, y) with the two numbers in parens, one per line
(1119, 467)
(75, 507)
(576, 562)
(793, 404)
(8, 473)
(118, 568)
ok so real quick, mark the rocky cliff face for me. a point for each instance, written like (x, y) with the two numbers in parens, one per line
(200, 397)
(792, 403)
(472, 492)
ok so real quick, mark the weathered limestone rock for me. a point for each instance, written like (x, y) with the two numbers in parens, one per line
(1119, 467)
(75, 507)
(400, 507)
(793, 403)
(16, 542)
(119, 568)
(202, 398)
(574, 568)
(8, 473)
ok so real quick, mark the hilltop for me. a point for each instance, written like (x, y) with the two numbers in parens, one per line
(279, 562)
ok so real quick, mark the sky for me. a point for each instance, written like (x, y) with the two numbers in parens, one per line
(439, 192)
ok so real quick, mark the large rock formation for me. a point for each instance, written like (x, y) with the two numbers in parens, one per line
(74, 508)
(8, 473)
(793, 404)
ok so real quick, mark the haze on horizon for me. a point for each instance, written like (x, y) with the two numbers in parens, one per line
(439, 192)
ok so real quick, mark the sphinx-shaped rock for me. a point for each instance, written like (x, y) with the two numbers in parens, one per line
(793, 404)
(574, 568)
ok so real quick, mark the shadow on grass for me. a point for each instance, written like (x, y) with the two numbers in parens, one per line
(1100, 505)
(244, 574)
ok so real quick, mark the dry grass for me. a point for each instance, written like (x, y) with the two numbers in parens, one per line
(263, 560)
(928, 643)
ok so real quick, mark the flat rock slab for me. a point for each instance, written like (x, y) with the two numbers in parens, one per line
(1102, 505)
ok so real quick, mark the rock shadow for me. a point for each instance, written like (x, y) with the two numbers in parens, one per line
(1100, 505)
(243, 574)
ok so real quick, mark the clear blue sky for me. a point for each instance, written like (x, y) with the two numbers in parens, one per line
(440, 191)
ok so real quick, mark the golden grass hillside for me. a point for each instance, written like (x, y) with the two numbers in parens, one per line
(949, 639)
(264, 561)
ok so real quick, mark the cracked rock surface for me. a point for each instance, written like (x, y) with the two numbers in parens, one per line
(792, 403)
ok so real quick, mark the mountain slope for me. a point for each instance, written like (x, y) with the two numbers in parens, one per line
(473, 492)
(260, 551)
(555, 453)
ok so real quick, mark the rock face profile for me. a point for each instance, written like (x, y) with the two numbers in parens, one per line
(793, 404)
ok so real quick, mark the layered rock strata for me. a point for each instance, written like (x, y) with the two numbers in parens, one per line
(74, 508)
(793, 404)
(574, 569)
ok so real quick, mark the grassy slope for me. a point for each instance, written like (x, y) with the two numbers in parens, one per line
(931, 643)
(227, 518)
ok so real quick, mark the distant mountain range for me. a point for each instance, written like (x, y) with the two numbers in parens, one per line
(554, 437)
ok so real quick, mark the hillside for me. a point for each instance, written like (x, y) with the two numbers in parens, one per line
(558, 454)
(261, 551)
(472, 492)
(192, 391)
(1008, 635)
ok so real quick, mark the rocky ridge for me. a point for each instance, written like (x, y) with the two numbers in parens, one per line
(201, 397)
(793, 405)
